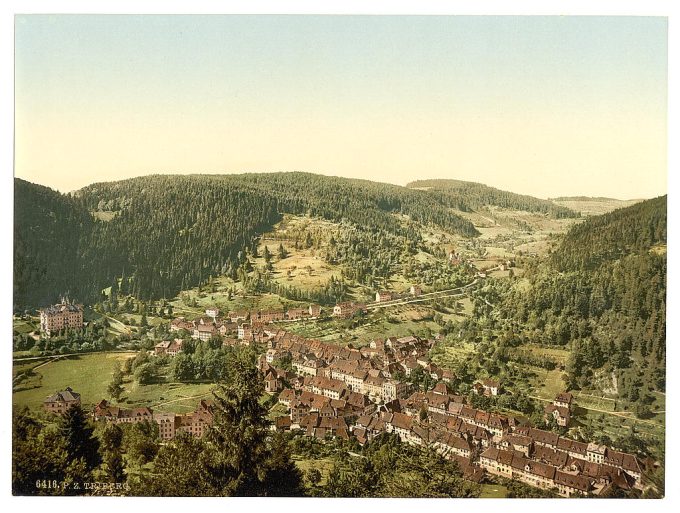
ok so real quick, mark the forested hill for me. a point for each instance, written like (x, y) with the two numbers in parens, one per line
(165, 233)
(610, 236)
(50, 230)
(467, 196)
(366, 203)
(603, 292)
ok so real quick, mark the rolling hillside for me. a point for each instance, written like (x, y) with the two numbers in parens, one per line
(469, 196)
(164, 233)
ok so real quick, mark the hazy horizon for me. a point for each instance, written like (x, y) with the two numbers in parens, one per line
(544, 106)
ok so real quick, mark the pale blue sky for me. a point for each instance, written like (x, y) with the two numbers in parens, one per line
(542, 105)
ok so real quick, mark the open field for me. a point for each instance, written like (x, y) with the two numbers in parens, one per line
(88, 375)
(166, 397)
(493, 491)
(304, 268)
(23, 366)
(620, 424)
(24, 327)
(554, 353)
(546, 384)
(594, 206)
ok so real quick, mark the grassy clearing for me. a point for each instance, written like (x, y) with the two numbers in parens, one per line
(304, 269)
(493, 491)
(166, 397)
(620, 424)
(554, 353)
(23, 327)
(448, 353)
(594, 206)
(103, 215)
(493, 251)
(545, 384)
(88, 374)
(324, 465)
(278, 410)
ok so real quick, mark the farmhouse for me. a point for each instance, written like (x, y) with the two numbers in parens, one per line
(383, 295)
(180, 323)
(168, 347)
(348, 309)
(59, 402)
(559, 413)
(491, 387)
(564, 400)
(236, 316)
(296, 313)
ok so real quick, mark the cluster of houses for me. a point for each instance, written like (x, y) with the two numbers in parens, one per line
(346, 392)
(373, 371)
(212, 324)
(479, 441)
(329, 390)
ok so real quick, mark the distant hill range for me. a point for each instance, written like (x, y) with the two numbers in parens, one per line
(583, 198)
(469, 196)
(170, 232)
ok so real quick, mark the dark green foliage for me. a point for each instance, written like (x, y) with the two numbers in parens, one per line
(239, 456)
(606, 238)
(467, 196)
(240, 429)
(50, 234)
(78, 438)
(203, 363)
(115, 388)
(181, 469)
(172, 232)
(140, 442)
(390, 468)
(603, 293)
(53, 461)
(36, 455)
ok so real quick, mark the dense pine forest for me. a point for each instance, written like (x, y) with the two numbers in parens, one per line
(164, 233)
(469, 196)
(603, 291)
(51, 231)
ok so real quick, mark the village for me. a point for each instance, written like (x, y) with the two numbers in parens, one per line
(327, 390)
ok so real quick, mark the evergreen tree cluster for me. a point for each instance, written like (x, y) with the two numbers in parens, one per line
(159, 234)
(603, 292)
(469, 196)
